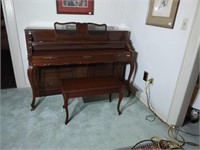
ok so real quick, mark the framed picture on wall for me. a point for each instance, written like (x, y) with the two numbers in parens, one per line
(75, 6)
(162, 13)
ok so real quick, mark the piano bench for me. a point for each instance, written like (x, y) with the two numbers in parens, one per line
(88, 86)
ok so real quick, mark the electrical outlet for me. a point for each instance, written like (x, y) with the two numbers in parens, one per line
(184, 23)
(145, 76)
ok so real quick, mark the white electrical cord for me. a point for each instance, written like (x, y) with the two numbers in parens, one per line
(150, 118)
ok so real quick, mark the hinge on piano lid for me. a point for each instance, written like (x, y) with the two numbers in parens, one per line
(120, 55)
(48, 57)
(87, 56)
(30, 38)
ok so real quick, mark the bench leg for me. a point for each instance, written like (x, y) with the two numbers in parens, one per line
(65, 106)
(110, 95)
(66, 109)
(129, 93)
(119, 102)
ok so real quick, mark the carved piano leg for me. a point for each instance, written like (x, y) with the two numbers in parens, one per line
(30, 73)
(120, 99)
(33, 104)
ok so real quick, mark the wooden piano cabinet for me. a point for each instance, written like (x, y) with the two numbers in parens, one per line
(56, 55)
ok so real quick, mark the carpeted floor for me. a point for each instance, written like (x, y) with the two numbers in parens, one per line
(95, 124)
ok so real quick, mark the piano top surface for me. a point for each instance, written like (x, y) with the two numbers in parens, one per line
(49, 42)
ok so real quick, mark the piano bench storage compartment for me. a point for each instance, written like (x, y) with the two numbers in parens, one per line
(89, 86)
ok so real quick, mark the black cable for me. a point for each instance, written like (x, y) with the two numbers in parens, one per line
(148, 140)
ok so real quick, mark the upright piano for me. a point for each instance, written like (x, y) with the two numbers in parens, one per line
(74, 50)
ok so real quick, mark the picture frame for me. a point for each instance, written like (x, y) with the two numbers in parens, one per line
(162, 13)
(75, 7)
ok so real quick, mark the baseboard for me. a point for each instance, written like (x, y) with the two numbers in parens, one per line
(142, 97)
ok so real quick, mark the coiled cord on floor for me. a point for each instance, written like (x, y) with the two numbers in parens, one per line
(173, 132)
